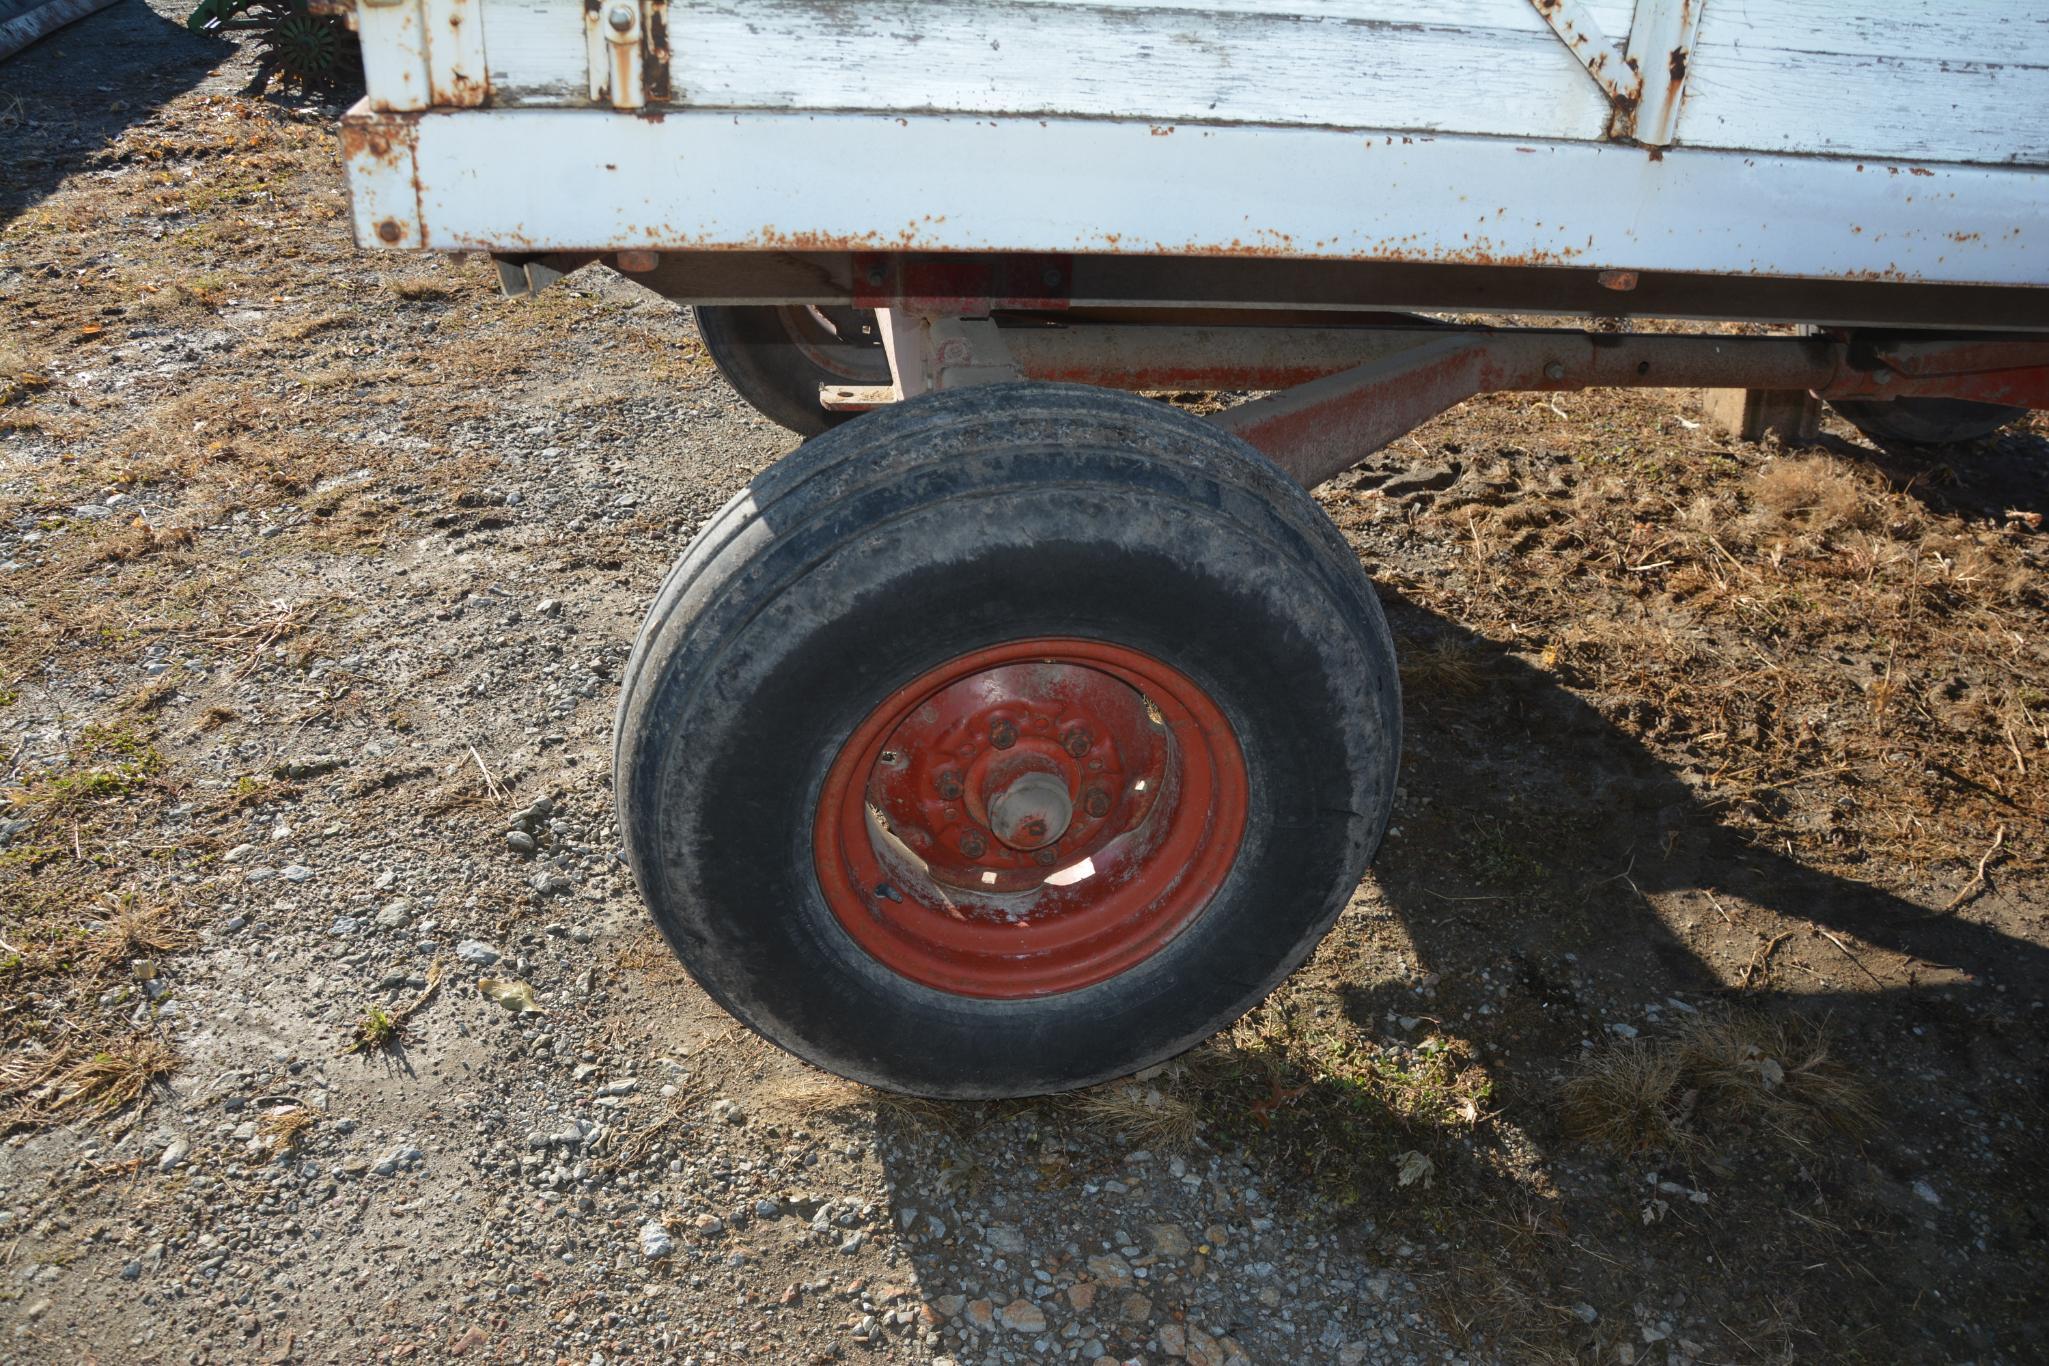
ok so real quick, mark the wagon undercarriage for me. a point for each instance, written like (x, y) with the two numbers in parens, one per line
(1016, 732)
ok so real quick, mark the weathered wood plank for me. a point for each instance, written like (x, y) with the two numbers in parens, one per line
(1490, 67)
(1964, 81)
(1915, 109)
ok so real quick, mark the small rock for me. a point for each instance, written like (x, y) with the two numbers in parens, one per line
(551, 883)
(238, 853)
(174, 1154)
(297, 872)
(981, 1313)
(476, 951)
(1112, 1271)
(1202, 1349)
(1927, 1192)
(520, 842)
(1022, 1316)
(394, 915)
(1169, 1240)
(345, 925)
(1005, 1237)
(655, 1242)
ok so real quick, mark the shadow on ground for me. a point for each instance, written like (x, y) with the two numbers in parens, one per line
(1551, 886)
(65, 98)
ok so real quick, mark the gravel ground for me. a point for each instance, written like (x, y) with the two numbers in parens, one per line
(342, 555)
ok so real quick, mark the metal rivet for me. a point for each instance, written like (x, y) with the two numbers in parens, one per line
(1002, 734)
(1097, 803)
(620, 17)
(876, 277)
(1553, 370)
(1077, 742)
(389, 230)
(973, 845)
(1048, 855)
(949, 785)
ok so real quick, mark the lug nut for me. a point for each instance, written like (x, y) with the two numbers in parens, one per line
(973, 845)
(1047, 856)
(1096, 803)
(1002, 734)
(1077, 742)
(949, 785)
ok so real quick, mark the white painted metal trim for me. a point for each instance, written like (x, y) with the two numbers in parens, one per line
(421, 54)
(1582, 36)
(538, 180)
(1661, 42)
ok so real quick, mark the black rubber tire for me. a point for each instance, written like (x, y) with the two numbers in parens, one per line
(754, 349)
(939, 526)
(1926, 421)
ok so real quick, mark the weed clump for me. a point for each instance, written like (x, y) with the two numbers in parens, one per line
(1774, 1076)
(1813, 494)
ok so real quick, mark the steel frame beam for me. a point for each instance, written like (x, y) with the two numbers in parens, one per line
(1347, 392)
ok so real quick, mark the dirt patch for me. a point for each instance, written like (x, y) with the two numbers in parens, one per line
(1693, 1010)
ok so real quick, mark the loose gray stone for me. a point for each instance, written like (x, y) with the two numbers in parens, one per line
(476, 951)
(655, 1242)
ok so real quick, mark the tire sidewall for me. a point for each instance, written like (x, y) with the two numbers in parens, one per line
(830, 617)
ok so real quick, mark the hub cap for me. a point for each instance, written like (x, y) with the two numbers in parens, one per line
(1030, 818)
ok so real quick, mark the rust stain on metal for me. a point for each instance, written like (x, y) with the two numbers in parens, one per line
(655, 49)
(389, 230)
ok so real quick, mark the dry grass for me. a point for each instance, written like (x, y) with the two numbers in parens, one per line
(285, 1129)
(1158, 1112)
(1718, 1075)
(1813, 493)
(72, 1080)
(1445, 667)
(137, 932)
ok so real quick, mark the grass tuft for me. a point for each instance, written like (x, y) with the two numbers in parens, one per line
(1719, 1074)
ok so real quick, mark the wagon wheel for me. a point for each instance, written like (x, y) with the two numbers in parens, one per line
(1007, 740)
(777, 357)
(1925, 421)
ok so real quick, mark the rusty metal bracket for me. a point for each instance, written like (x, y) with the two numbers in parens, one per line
(930, 352)
(1645, 87)
(627, 44)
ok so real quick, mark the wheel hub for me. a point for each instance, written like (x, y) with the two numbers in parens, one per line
(1030, 818)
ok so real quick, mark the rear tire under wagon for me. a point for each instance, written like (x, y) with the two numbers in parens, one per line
(979, 638)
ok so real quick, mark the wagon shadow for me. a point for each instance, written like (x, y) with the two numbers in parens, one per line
(1544, 866)
(1529, 779)
(1985, 481)
(66, 97)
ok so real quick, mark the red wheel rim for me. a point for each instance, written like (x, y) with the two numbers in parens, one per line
(1030, 818)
